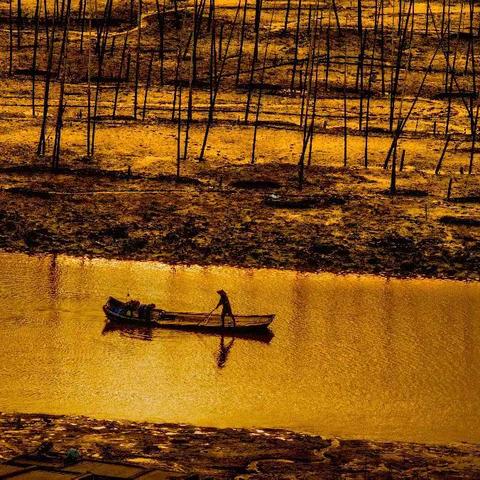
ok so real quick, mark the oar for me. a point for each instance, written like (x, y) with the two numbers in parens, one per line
(207, 318)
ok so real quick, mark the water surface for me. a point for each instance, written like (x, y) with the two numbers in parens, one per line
(354, 356)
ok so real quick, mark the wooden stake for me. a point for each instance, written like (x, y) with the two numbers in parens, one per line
(137, 59)
(442, 156)
(147, 86)
(35, 49)
(258, 12)
(179, 130)
(242, 36)
(120, 75)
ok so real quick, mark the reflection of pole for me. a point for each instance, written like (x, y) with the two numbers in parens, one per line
(53, 285)
(53, 279)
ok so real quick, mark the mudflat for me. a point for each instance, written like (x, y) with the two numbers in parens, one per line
(236, 453)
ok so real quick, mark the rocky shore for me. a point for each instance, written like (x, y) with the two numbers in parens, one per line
(210, 453)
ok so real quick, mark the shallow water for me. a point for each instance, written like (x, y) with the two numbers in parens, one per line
(354, 356)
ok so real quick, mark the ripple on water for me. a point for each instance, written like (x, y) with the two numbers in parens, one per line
(354, 356)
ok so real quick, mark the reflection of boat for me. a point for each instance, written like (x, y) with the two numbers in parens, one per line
(139, 332)
(147, 315)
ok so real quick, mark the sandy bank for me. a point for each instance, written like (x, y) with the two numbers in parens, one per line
(237, 453)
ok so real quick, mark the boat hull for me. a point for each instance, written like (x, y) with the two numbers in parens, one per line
(117, 312)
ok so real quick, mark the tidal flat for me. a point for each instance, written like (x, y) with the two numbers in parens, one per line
(240, 454)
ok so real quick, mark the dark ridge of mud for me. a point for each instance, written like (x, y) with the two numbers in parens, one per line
(462, 221)
(466, 199)
(408, 192)
(255, 184)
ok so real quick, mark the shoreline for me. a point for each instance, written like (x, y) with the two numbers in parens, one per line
(235, 453)
(355, 229)
(286, 269)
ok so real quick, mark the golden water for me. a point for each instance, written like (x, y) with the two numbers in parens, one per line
(354, 356)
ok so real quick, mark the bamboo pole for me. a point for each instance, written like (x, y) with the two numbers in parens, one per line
(82, 14)
(337, 19)
(398, 64)
(327, 54)
(242, 37)
(314, 108)
(161, 31)
(345, 129)
(258, 12)
(370, 86)
(260, 90)
(10, 36)
(197, 18)
(35, 49)
(58, 127)
(393, 176)
(474, 139)
(89, 78)
(402, 161)
(41, 147)
(19, 23)
(179, 130)
(120, 74)
(427, 18)
(287, 14)
(176, 82)
(101, 56)
(147, 86)
(297, 40)
(216, 81)
(442, 155)
(308, 130)
(403, 122)
(382, 44)
(137, 59)
(468, 106)
(47, 33)
(65, 18)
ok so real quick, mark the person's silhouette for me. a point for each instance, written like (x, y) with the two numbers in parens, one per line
(224, 302)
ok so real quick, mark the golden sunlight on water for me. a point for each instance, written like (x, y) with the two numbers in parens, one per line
(350, 356)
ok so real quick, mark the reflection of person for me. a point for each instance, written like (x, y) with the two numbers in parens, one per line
(223, 351)
(224, 302)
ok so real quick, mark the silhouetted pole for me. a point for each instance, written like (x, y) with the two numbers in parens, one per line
(137, 59)
(120, 75)
(242, 36)
(35, 49)
(258, 12)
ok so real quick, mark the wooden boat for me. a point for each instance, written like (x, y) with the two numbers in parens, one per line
(122, 312)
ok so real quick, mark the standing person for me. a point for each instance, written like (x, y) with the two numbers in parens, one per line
(224, 302)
